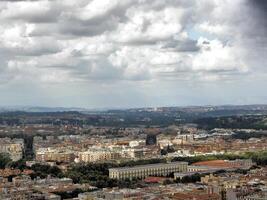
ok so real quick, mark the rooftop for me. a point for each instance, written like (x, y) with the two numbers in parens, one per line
(150, 165)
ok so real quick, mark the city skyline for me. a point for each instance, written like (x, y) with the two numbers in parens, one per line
(132, 53)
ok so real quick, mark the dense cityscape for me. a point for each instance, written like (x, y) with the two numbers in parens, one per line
(135, 154)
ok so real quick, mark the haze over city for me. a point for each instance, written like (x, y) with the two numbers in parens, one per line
(132, 53)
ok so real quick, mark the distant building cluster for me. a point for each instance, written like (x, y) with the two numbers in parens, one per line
(135, 162)
(24, 188)
(228, 186)
(83, 149)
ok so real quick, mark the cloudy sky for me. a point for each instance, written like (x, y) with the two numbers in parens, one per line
(132, 53)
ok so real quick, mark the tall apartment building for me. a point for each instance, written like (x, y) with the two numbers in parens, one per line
(142, 171)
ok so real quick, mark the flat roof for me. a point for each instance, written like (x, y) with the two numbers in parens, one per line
(150, 165)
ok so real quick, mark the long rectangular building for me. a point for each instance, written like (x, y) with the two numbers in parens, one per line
(142, 171)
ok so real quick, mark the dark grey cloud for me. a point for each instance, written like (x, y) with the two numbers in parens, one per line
(259, 14)
(261, 5)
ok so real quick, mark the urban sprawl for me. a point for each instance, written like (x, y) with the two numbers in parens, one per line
(199, 153)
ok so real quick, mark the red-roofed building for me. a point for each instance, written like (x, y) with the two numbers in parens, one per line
(226, 164)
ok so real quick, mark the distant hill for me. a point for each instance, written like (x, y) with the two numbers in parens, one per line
(40, 109)
(187, 109)
(229, 116)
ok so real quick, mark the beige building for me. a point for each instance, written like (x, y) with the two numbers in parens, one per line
(55, 155)
(14, 148)
(98, 155)
(142, 171)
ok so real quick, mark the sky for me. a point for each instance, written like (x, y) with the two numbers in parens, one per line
(132, 53)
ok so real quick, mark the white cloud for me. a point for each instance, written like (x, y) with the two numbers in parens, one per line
(54, 41)
(149, 26)
(215, 56)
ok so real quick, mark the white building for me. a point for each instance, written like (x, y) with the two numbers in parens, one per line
(142, 171)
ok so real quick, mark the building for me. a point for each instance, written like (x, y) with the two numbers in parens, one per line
(56, 155)
(86, 196)
(151, 139)
(133, 153)
(195, 196)
(98, 155)
(13, 147)
(143, 171)
(222, 164)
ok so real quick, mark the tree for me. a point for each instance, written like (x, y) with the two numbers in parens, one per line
(20, 164)
(4, 160)
(44, 170)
